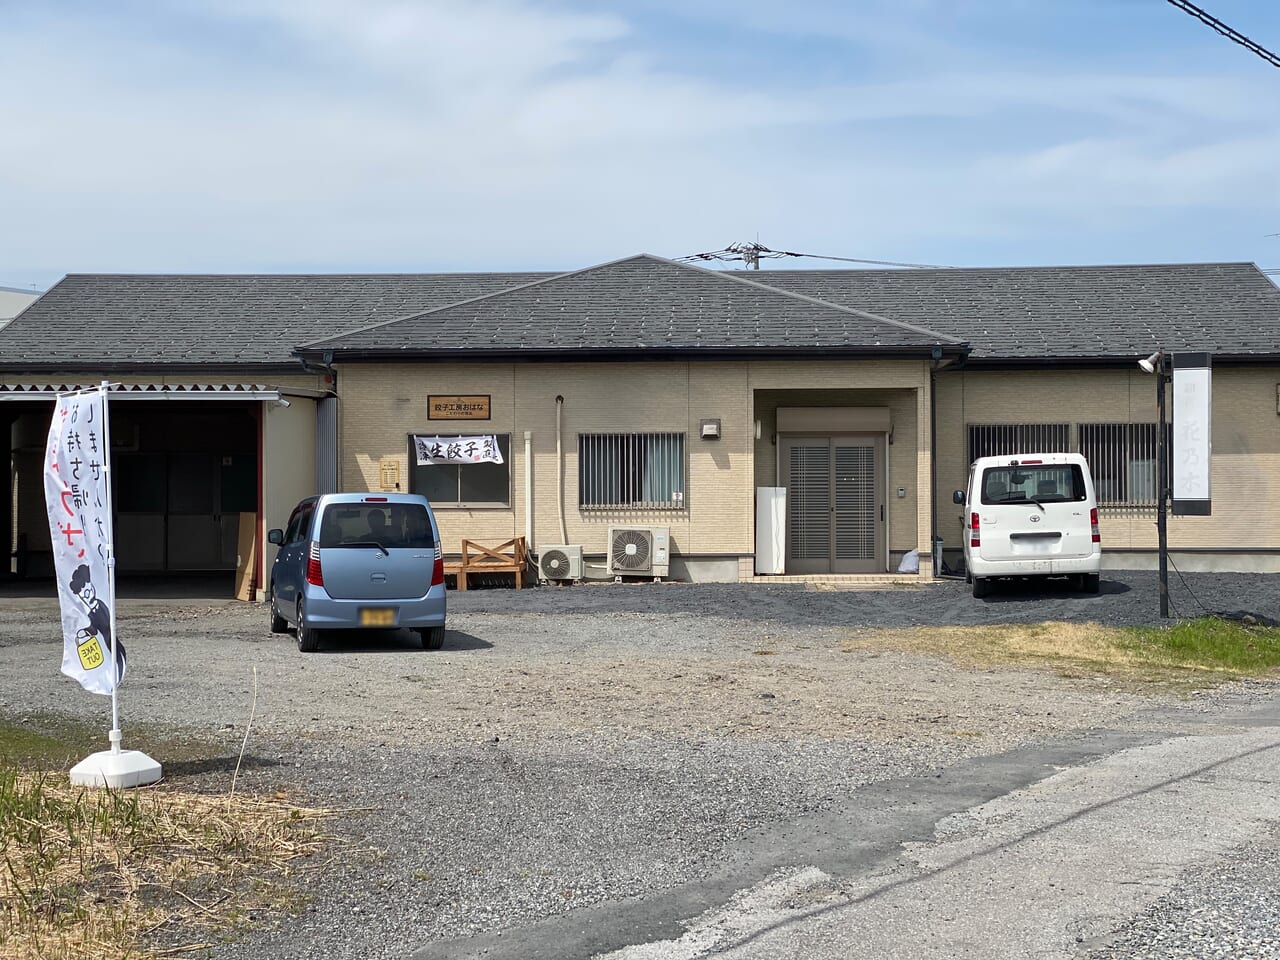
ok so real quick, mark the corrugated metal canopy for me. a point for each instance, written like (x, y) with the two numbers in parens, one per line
(152, 391)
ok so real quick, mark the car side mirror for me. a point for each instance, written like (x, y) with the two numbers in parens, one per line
(275, 536)
(958, 497)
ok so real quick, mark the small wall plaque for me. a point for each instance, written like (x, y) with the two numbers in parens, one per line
(389, 471)
(458, 408)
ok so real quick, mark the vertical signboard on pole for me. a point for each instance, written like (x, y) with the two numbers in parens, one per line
(1192, 434)
(77, 483)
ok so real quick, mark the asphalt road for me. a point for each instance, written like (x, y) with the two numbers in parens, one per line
(1046, 851)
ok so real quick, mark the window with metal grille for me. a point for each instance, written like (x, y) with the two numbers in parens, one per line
(1122, 458)
(632, 470)
(1000, 439)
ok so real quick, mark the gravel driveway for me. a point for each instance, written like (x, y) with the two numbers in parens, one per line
(580, 745)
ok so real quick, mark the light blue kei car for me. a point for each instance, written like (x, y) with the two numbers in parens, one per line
(356, 561)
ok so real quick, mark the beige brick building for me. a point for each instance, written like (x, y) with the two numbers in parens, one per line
(646, 393)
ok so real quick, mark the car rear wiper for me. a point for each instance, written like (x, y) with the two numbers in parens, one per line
(365, 543)
(1037, 502)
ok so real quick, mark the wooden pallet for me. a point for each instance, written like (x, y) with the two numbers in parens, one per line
(509, 557)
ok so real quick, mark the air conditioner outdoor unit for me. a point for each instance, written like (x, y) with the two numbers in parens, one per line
(560, 562)
(639, 551)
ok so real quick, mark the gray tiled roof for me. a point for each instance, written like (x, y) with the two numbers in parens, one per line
(642, 303)
(1018, 313)
(177, 320)
(1228, 309)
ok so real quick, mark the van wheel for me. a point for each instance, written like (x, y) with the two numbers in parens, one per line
(981, 586)
(278, 623)
(1090, 582)
(308, 637)
(432, 638)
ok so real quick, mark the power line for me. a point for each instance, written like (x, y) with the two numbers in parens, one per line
(1232, 35)
(751, 253)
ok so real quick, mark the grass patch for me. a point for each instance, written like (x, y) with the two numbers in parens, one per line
(1189, 654)
(145, 873)
(42, 741)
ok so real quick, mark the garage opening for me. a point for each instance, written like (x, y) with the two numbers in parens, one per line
(183, 473)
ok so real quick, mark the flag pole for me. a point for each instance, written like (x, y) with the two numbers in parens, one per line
(115, 736)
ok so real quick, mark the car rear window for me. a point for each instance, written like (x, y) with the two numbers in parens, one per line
(386, 524)
(1044, 483)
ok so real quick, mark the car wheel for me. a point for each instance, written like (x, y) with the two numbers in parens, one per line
(308, 637)
(1090, 582)
(432, 638)
(981, 586)
(278, 623)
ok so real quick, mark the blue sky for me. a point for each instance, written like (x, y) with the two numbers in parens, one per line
(412, 135)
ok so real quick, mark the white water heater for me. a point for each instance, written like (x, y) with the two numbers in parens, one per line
(771, 530)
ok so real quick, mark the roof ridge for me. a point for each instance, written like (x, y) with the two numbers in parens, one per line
(461, 303)
(719, 274)
(865, 314)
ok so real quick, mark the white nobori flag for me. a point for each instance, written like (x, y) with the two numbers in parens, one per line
(78, 500)
(434, 450)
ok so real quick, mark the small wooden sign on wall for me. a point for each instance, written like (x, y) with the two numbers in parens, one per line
(458, 408)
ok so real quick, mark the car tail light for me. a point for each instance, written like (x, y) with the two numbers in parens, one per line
(437, 571)
(1093, 522)
(975, 535)
(375, 499)
(315, 576)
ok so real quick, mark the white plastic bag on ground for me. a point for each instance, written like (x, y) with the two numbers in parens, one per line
(910, 562)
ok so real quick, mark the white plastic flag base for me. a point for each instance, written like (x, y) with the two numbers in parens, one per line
(128, 768)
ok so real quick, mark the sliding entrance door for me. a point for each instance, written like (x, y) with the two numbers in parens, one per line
(835, 503)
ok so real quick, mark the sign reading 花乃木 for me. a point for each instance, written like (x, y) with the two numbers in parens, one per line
(458, 408)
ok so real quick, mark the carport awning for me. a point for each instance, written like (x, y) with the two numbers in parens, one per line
(155, 391)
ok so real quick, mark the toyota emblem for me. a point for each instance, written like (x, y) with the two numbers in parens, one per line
(1035, 518)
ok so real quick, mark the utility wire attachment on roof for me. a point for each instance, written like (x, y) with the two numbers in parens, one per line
(751, 253)
(1232, 35)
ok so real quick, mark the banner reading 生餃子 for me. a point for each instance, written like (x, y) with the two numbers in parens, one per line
(77, 497)
(437, 450)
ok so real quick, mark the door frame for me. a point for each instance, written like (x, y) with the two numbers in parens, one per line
(880, 444)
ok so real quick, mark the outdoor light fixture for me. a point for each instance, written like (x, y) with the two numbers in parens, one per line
(1158, 363)
(282, 402)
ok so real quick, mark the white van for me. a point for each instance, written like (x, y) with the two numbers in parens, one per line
(1030, 515)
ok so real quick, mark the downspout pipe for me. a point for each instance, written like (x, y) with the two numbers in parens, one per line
(938, 364)
(564, 531)
(935, 552)
(528, 489)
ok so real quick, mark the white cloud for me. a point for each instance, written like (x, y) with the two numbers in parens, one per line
(501, 134)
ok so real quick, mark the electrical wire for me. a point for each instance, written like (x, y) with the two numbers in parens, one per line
(1187, 587)
(1218, 26)
(753, 253)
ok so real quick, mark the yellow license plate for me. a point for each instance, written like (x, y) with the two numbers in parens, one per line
(377, 617)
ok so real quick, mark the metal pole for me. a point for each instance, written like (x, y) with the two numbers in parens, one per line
(114, 736)
(1162, 470)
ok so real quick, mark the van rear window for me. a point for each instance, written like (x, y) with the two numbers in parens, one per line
(386, 524)
(1046, 483)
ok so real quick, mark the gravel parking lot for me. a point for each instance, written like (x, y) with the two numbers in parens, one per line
(579, 745)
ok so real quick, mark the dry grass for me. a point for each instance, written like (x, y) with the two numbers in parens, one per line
(1186, 655)
(108, 874)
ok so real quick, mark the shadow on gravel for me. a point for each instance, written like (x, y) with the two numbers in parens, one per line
(1021, 591)
(394, 641)
(199, 767)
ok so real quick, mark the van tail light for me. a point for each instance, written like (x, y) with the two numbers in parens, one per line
(437, 570)
(1093, 522)
(975, 534)
(315, 576)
